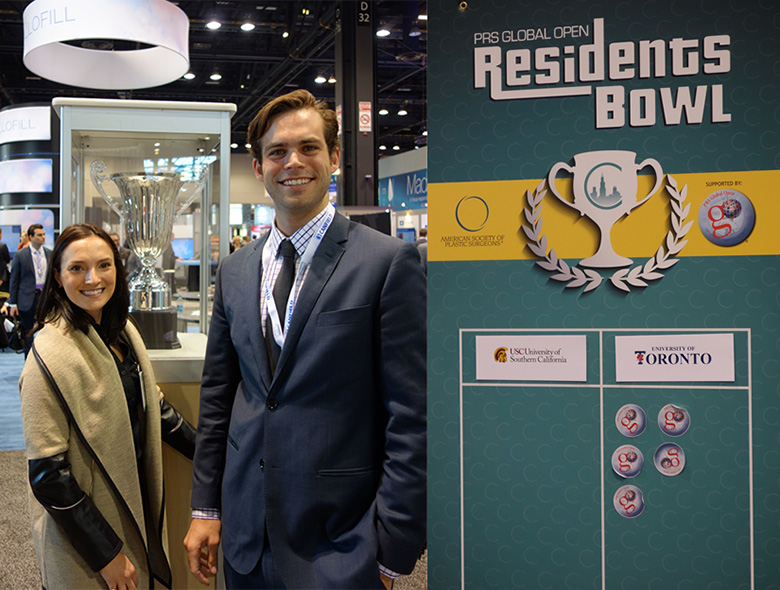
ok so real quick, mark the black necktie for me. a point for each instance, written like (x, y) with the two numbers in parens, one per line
(281, 292)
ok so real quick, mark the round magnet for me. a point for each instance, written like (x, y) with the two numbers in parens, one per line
(627, 461)
(628, 501)
(669, 459)
(674, 420)
(630, 420)
(726, 217)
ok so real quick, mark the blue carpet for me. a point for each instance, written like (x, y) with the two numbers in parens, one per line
(11, 435)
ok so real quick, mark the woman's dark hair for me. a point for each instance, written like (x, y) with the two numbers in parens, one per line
(54, 303)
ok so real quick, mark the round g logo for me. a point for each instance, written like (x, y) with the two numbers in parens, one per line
(472, 213)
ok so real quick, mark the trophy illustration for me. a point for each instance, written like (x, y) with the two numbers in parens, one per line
(148, 205)
(605, 189)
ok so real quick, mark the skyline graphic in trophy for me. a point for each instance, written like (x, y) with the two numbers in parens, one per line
(147, 206)
(605, 189)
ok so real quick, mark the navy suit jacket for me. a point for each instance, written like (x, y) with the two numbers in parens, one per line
(22, 289)
(335, 469)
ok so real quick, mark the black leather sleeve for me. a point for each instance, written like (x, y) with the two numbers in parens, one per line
(54, 486)
(176, 431)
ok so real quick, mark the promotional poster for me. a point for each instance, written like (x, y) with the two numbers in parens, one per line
(603, 294)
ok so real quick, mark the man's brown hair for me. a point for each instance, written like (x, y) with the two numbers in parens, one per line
(293, 101)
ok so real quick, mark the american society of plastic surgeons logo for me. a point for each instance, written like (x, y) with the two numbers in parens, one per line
(604, 189)
(472, 213)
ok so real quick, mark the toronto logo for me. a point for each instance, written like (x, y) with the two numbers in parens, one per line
(605, 189)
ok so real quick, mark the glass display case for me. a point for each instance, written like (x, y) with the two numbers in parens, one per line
(150, 158)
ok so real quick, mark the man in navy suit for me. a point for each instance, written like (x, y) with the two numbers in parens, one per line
(310, 468)
(28, 272)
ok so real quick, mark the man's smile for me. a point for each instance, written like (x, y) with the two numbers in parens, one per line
(295, 181)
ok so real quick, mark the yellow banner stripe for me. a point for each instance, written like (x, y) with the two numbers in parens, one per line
(482, 220)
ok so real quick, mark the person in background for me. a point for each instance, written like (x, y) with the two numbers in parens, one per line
(24, 241)
(125, 254)
(310, 463)
(93, 421)
(28, 271)
(245, 240)
(5, 260)
(235, 243)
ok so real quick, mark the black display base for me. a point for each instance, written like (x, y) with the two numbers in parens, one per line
(158, 327)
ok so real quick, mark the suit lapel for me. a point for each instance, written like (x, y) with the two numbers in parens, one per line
(27, 258)
(254, 274)
(324, 263)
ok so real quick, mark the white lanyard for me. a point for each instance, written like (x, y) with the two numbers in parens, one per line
(268, 256)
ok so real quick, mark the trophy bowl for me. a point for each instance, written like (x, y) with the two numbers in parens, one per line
(604, 187)
(147, 206)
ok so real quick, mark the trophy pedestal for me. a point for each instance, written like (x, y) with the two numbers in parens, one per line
(158, 327)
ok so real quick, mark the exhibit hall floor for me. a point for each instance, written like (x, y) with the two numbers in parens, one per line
(17, 558)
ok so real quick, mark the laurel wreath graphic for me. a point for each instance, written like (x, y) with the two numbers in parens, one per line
(624, 278)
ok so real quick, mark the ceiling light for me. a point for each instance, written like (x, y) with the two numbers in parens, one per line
(156, 144)
(383, 31)
(425, 133)
(215, 76)
(247, 26)
(402, 112)
(320, 79)
(415, 32)
(189, 76)
(383, 111)
(382, 147)
(213, 25)
(248, 146)
(233, 145)
(422, 17)
(285, 34)
(396, 147)
(332, 79)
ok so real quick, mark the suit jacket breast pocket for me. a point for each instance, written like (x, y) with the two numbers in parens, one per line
(340, 317)
(346, 337)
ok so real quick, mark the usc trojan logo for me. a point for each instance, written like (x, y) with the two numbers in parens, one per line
(500, 355)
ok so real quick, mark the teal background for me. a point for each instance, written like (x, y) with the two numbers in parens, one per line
(531, 455)
(473, 138)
